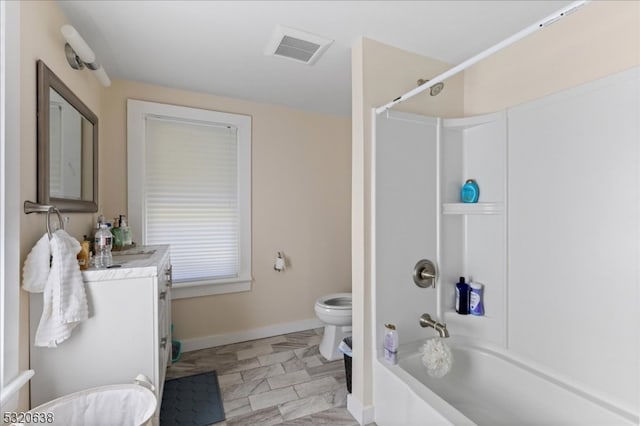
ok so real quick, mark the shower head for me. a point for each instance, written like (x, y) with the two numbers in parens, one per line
(435, 90)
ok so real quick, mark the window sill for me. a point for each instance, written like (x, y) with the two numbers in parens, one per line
(185, 290)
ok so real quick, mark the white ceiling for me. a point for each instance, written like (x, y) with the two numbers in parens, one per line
(216, 47)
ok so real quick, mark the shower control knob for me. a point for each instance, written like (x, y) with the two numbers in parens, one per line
(425, 274)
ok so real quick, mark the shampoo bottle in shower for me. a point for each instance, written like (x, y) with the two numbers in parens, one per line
(476, 305)
(470, 192)
(390, 344)
(462, 297)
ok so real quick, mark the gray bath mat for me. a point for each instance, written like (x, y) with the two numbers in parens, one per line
(192, 400)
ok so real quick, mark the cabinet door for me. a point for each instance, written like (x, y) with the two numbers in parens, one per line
(163, 324)
(111, 347)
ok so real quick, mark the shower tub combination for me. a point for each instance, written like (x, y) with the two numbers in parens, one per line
(485, 387)
(418, 166)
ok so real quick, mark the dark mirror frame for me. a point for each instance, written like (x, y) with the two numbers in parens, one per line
(46, 80)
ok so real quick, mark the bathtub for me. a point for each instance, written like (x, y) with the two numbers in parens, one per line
(485, 387)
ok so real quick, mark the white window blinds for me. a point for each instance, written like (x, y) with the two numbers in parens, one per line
(192, 197)
(189, 186)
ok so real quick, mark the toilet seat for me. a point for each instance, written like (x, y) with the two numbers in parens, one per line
(335, 301)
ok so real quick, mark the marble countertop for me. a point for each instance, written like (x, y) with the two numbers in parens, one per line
(134, 264)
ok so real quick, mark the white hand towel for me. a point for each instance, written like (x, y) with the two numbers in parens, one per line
(37, 265)
(65, 301)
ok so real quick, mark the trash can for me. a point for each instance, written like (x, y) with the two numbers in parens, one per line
(176, 348)
(123, 405)
(345, 348)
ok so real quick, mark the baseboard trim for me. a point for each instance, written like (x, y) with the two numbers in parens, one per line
(363, 415)
(242, 336)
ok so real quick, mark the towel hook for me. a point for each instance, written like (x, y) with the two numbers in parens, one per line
(60, 221)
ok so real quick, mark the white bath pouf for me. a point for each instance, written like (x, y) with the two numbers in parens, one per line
(437, 357)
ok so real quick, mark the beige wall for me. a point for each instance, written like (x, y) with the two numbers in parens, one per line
(301, 193)
(40, 38)
(598, 40)
(301, 167)
(381, 73)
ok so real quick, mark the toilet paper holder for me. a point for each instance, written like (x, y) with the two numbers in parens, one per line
(280, 262)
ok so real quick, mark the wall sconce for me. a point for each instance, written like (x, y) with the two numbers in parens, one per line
(80, 54)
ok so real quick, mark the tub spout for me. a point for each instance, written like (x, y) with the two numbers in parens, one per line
(427, 321)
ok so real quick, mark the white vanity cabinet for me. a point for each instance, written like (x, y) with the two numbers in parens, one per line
(128, 331)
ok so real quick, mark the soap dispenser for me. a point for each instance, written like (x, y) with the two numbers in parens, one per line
(126, 231)
(117, 234)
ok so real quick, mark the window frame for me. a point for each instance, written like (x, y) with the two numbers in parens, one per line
(137, 112)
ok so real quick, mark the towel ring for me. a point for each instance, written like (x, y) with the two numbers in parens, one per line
(60, 221)
(31, 207)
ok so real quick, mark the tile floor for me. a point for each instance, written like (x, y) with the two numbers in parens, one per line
(277, 380)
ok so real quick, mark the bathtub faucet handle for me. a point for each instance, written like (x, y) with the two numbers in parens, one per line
(427, 321)
(425, 274)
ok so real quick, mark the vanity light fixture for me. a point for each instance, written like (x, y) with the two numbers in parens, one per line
(80, 54)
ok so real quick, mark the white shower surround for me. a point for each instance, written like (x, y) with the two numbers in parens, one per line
(568, 205)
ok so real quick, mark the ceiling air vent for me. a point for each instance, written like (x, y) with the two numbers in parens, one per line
(296, 45)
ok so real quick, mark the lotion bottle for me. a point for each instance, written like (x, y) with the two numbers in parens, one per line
(390, 344)
(83, 255)
(476, 305)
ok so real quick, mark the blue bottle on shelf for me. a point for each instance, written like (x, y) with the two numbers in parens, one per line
(470, 192)
(462, 297)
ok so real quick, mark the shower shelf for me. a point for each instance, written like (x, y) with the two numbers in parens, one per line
(472, 208)
(451, 316)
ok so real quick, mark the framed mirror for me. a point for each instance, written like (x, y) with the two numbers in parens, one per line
(67, 147)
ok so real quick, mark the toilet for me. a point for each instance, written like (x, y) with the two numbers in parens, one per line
(334, 310)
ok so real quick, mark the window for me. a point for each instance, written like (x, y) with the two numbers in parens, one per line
(189, 173)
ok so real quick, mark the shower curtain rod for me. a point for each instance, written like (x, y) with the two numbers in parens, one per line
(493, 49)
